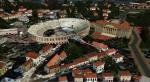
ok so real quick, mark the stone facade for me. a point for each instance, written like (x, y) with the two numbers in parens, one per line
(114, 29)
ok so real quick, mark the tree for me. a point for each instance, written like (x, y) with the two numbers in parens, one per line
(145, 35)
(100, 12)
(88, 2)
(114, 11)
(7, 7)
(34, 16)
(110, 65)
(74, 51)
(65, 1)
(52, 4)
(18, 4)
(70, 11)
(3, 24)
(141, 19)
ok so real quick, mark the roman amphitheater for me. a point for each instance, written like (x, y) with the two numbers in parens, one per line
(59, 31)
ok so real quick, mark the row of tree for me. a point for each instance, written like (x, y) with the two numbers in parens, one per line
(143, 20)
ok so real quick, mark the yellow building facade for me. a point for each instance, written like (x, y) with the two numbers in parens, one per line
(114, 28)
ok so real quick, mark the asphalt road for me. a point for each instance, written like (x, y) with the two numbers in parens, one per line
(138, 56)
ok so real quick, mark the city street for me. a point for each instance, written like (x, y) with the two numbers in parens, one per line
(138, 55)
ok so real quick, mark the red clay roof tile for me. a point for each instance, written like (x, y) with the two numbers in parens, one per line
(106, 74)
(46, 48)
(111, 50)
(102, 54)
(90, 75)
(32, 54)
(98, 63)
(62, 78)
(125, 73)
(77, 71)
(78, 76)
(79, 60)
(86, 71)
(63, 54)
(53, 60)
(100, 45)
(118, 55)
(92, 54)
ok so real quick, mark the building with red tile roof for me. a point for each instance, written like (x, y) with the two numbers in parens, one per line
(98, 66)
(106, 74)
(136, 78)
(90, 77)
(27, 65)
(63, 79)
(80, 61)
(108, 77)
(114, 28)
(63, 55)
(52, 69)
(32, 54)
(3, 67)
(98, 63)
(28, 62)
(87, 71)
(54, 66)
(115, 23)
(125, 73)
(46, 48)
(111, 51)
(102, 54)
(78, 78)
(125, 76)
(72, 65)
(100, 46)
(98, 35)
(118, 57)
(64, 67)
(36, 57)
(55, 60)
(92, 56)
(76, 71)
